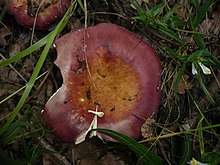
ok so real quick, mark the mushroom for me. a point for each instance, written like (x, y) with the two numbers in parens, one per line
(108, 72)
(44, 12)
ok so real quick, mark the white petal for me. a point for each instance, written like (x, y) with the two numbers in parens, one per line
(194, 71)
(82, 137)
(205, 69)
(195, 162)
(93, 125)
(99, 114)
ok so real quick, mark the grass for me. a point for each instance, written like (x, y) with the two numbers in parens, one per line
(48, 40)
(174, 29)
(181, 47)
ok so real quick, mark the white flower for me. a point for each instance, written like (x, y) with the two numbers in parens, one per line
(205, 69)
(194, 71)
(195, 162)
(93, 125)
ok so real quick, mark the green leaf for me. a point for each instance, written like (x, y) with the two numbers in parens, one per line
(172, 53)
(137, 7)
(199, 41)
(26, 52)
(199, 56)
(12, 131)
(168, 15)
(148, 12)
(213, 158)
(201, 139)
(158, 8)
(196, 3)
(81, 5)
(170, 33)
(176, 22)
(4, 10)
(179, 76)
(211, 60)
(187, 152)
(200, 11)
(207, 93)
(4, 159)
(145, 155)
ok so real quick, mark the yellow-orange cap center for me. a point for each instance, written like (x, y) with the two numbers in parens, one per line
(111, 83)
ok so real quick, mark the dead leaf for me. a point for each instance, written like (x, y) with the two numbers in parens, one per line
(20, 44)
(94, 151)
(211, 25)
(147, 128)
(139, 3)
(181, 9)
(184, 84)
(4, 31)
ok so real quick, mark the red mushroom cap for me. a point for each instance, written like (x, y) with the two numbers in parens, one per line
(122, 77)
(48, 12)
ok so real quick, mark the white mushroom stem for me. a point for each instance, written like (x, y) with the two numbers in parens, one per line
(93, 125)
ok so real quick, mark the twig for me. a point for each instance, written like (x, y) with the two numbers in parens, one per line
(85, 46)
(57, 155)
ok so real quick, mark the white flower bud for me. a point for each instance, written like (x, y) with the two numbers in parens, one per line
(205, 69)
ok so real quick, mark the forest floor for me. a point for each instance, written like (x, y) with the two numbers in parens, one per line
(186, 127)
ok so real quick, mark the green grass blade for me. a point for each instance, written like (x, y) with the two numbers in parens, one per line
(170, 33)
(179, 77)
(35, 46)
(81, 5)
(207, 59)
(176, 22)
(199, 41)
(207, 93)
(29, 85)
(201, 11)
(172, 53)
(20, 89)
(213, 158)
(145, 155)
(26, 52)
(211, 61)
(12, 131)
(187, 152)
(168, 15)
(137, 7)
(158, 8)
(201, 139)
(4, 159)
(196, 3)
(4, 10)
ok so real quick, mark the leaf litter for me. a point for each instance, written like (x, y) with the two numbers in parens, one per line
(10, 81)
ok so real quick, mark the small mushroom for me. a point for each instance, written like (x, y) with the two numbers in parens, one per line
(108, 71)
(45, 12)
